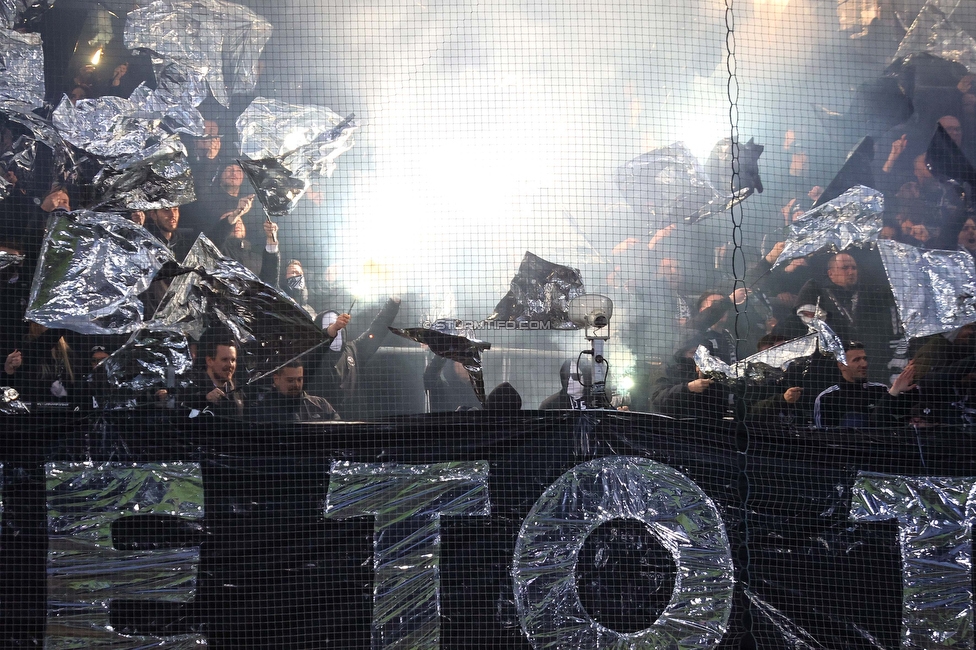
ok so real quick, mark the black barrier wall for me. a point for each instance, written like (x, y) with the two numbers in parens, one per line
(541, 530)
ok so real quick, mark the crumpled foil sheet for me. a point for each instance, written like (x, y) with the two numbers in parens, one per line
(10, 403)
(406, 503)
(150, 359)
(935, 291)
(464, 350)
(676, 512)
(21, 13)
(144, 166)
(92, 268)
(540, 292)
(668, 185)
(270, 327)
(103, 552)
(21, 68)
(853, 218)
(208, 36)
(179, 90)
(935, 517)
(772, 362)
(29, 129)
(9, 259)
(935, 33)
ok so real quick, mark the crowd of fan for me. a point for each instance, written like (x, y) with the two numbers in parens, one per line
(926, 381)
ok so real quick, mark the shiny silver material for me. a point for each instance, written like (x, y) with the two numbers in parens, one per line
(306, 140)
(771, 362)
(40, 131)
(207, 36)
(935, 291)
(270, 328)
(87, 568)
(144, 166)
(179, 90)
(852, 219)
(10, 403)
(21, 68)
(407, 502)
(150, 360)
(935, 518)
(17, 13)
(676, 512)
(934, 33)
(9, 259)
(92, 268)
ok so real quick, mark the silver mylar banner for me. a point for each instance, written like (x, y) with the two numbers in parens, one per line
(124, 540)
(935, 291)
(680, 516)
(852, 219)
(406, 503)
(36, 129)
(208, 36)
(935, 520)
(92, 268)
(934, 33)
(21, 68)
(305, 139)
(179, 90)
(10, 403)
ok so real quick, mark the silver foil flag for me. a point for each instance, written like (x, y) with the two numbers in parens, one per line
(934, 33)
(540, 293)
(270, 327)
(772, 362)
(935, 291)
(852, 219)
(92, 268)
(150, 359)
(144, 166)
(209, 36)
(21, 68)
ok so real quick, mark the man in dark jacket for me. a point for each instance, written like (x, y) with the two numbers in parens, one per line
(288, 401)
(857, 402)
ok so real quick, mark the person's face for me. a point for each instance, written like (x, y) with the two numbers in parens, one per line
(857, 365)
(289, 381)
(77, 94)
(842, 271)
(166, 219)
(293, 271)
(97, 358)
(231, 177)
(221, 367)
(208, 145)
(56, 200)
(887, 232)
(952, 127)
(670, 269)
(967, 236)
(239, 231)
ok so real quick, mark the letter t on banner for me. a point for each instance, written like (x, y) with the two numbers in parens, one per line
(935, 517)
(407, 502)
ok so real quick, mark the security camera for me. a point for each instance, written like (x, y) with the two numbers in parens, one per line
(592, 312)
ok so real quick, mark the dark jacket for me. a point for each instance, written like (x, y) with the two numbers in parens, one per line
(275, 407)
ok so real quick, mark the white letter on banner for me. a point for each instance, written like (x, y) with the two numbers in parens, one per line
(86, 571)
(407, 502)
(935, 517)
(676, 512)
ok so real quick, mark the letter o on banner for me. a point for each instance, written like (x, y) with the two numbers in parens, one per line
(676, 512)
